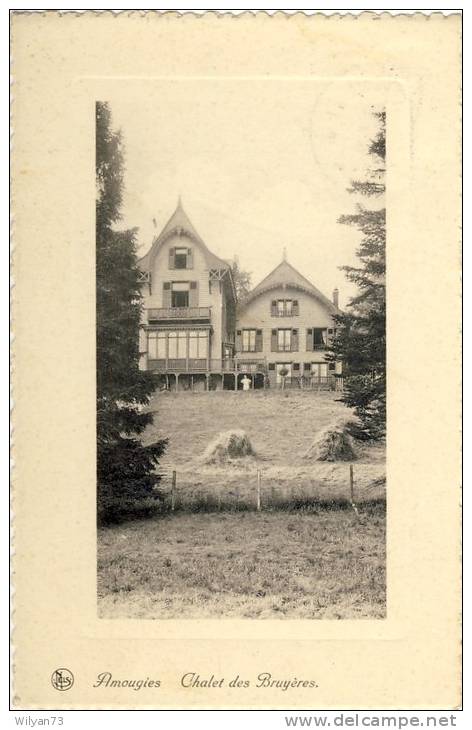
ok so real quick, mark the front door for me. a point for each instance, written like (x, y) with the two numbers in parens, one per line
(283, 366)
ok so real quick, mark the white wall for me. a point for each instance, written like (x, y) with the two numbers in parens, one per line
(257, 315)
(160, 273)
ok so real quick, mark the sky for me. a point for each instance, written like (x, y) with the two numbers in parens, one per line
(260, 165)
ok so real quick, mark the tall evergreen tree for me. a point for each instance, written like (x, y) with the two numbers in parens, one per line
(125, 478)
(360, 341)
(242, 280)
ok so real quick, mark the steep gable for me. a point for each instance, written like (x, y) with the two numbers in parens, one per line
(180, 224)
(286, 275)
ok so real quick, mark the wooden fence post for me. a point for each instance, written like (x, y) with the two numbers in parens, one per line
(172, 492)
(351, 481)
(258, 496)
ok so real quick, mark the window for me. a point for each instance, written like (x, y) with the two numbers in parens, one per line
(157, 345)
(284, 307)
(180, 294)
(193, 345)
(284, 340)
(320, 338)
(181, 344)
(198, 345)
(249, 340)
(152, 345)
(296, 366)
(180, 258)
(319, 369)
(177, 345)
(161, 346)
(173, 345)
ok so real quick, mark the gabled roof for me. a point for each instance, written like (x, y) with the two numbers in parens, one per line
(179, 222)
(286, 274)
(179, 219)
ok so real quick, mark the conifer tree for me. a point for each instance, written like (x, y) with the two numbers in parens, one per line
(360, 340)
(125, 467)
(242, 280)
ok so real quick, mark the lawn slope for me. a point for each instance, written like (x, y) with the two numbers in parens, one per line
(329, 565)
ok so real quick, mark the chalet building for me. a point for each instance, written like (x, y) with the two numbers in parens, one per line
(189, 313)
(194, 335)
(288, 323)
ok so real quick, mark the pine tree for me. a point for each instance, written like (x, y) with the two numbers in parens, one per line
(360, 341)
(125, 478)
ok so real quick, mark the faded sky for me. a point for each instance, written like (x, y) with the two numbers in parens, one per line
(260, 165)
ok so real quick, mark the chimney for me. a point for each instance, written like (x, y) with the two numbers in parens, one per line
(336, 298)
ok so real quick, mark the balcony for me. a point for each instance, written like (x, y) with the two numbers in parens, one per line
(180, 365)
(311, 382)
(174, 314)
(192, 365)
(250, 366)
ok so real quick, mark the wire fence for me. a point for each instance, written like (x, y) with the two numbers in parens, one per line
(256, 490)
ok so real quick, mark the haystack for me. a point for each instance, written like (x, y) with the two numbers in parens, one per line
(332, 444)
(227, 446)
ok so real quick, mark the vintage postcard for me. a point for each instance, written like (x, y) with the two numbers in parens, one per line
(237, 360)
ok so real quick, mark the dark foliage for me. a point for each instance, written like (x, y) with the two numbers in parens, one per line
(125, 468)
(242, 280)
(360, 341)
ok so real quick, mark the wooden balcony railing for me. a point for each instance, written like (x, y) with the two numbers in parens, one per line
(176, 313)
(315, 382)
(251, 366)
(203, 365)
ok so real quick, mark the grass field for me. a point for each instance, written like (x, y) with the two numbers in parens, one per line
(280, 424)
(329, 565)
(313, 559)
(281, 427)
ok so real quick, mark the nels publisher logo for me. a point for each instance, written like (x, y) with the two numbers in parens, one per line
(62, 679)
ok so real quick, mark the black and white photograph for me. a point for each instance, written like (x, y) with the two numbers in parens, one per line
(236, 376)
(241, 351)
